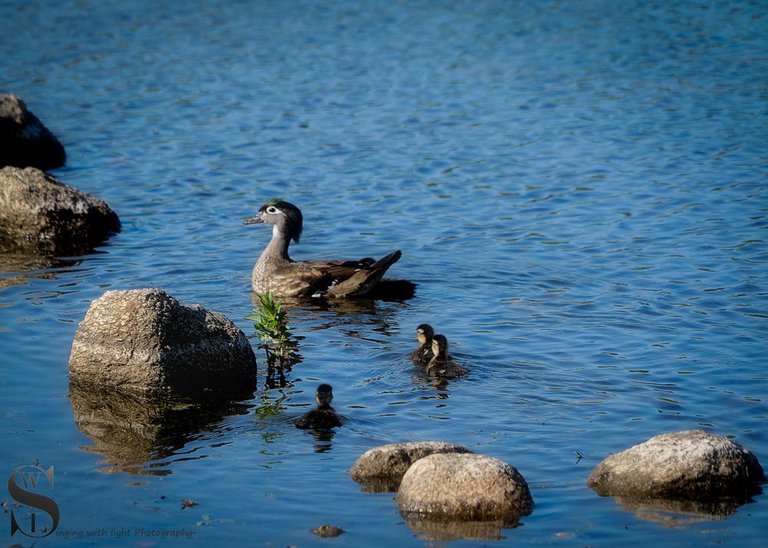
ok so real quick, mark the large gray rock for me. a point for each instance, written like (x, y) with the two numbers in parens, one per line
(687, 465)
(40, 214)
(144, 341)
(24, 140)
(380, 469)
(464, 486)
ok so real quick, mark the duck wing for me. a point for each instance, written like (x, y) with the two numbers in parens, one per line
(363, 278)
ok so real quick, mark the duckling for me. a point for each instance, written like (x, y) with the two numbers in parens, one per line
(324, 416)
(275, 271)
(441, 365)
(423, 354)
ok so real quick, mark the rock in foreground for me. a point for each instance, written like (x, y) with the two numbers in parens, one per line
(42, 215)
(24, 140)
(381, 468)
(687, 465)
(464, 486)
(144, 341)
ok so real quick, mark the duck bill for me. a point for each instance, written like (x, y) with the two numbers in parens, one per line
(253, 220)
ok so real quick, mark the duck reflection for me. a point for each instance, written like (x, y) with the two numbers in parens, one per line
(130, 430)
(327, 314)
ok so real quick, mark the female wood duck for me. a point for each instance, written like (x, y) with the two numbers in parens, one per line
(441, 365)
(423, 354)
(275, 271)
(324, 416)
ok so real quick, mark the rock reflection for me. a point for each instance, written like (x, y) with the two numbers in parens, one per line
(19, 268)
(130, 430)
(680, 513)
(438, 530)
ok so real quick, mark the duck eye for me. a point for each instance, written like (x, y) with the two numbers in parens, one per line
(272, 209)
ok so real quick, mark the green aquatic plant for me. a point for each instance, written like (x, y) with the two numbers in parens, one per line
(271, 325)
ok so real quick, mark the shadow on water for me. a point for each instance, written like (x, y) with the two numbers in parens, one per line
(130, 430)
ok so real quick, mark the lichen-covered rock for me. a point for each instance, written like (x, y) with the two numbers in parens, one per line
(24, 140)
(464, 486)
(143, 340)
(687, 465)
(380, 469)
(42, 215)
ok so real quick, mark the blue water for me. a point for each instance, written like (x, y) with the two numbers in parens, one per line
(578, 188)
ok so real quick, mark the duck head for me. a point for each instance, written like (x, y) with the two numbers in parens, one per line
(283, 216)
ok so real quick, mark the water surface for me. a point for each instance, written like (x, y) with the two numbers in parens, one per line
(578, 188)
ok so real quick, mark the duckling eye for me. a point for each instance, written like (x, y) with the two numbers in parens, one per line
(272, 210)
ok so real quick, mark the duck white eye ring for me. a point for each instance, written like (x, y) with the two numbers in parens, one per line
(272, 210)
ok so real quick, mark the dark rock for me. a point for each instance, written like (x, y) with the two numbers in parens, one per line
(464, 486)
(144, 341)
(24, 140)
(40, 214)
(328, 531)
(688, 465)
(380, 469)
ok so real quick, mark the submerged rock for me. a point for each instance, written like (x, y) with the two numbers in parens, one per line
(380, 469)
(328, 531)
(40, 214)
(464, 486)
(144, 341)
(24, 140)
(688, 465)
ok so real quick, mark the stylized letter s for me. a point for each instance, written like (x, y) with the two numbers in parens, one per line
(28, 498)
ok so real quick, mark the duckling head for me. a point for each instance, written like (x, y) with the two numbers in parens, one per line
(439, 346)
(324, 395)
(424, 333)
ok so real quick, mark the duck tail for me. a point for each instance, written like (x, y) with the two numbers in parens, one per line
(364, 280)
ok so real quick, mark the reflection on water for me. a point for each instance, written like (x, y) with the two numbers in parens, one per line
(442, 530)
(680, 513)
(130, 431)
(589, 233)
(323, 439)
(18, 268)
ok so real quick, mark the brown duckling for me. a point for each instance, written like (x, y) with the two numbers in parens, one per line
(275, 271)
(441, 365)
(423, 354)
(323, 417)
